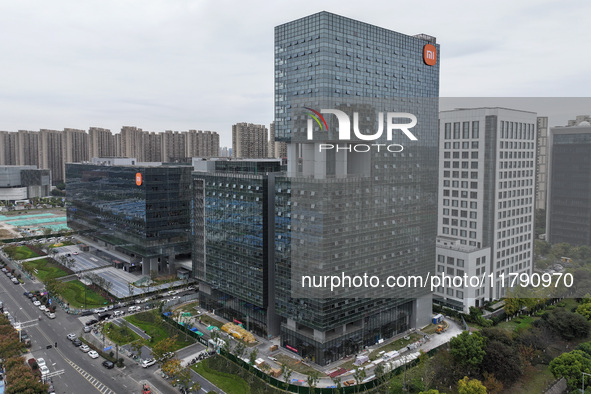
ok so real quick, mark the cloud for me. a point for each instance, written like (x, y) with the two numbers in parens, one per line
(172, 64)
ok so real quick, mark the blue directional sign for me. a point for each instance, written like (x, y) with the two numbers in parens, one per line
(107, 348)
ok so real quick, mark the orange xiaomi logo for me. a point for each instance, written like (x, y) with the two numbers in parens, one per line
(430, 55)
(138, 178)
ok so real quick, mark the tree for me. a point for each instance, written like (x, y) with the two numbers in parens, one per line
(137, 345)
(585, 310)
(286, 372)
(432, 391)
(20, 380)
(379, 371)
(512, 305)
(10, 344)
(468, 350)
(172, 367)
(470, 386)
(313, 378)
(570, 367)
(359, 375)
(502, 360)
(492, 384)
(167, 345)
(54, 286)
(253, 356)
(568, 325)
(337, 382)
(239, 349)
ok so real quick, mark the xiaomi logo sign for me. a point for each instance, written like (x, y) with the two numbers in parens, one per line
(430, 55)
(138, 178)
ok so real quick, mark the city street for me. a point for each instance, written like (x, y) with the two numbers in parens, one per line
(80, 372)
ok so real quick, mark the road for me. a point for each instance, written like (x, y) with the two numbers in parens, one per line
(81, 374)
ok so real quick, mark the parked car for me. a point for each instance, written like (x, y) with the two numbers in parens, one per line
(42, 308)
(87, 329)
(15, 281)
(93, 354)
(51, 315)
(108, 364)
(100, 310)
(85, 348)
(148, 363)
(44, 370)
(91, 322)
(77, 342)
(41, 362)
(71, 337)
(36, 303)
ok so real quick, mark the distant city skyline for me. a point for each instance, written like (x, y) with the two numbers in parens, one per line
(195, 65)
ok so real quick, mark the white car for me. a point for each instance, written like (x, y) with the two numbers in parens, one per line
(100, 310)
(148, 363)
(42, 308)
(71, 337)
(44, 370)
(41, 362)
(36, 303)
(84, 347)
(51, 315)
(93, 354)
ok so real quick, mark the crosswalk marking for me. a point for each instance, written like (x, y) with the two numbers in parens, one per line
(101, 387)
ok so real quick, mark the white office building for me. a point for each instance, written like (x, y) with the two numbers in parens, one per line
(487, 174)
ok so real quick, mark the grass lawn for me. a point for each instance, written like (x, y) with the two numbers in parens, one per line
(121, 335)
(20, 252)
(191, 307)
(518, 324)
(232, 378)
(229, 383)
(45, 269)
(295, 364)
(148, 321)
(73, 294)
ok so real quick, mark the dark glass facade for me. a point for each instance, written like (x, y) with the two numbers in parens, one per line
(147, 221)
(233, 241)
(356, 210)
(570, 186)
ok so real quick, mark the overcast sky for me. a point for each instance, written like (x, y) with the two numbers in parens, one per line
(205, 65)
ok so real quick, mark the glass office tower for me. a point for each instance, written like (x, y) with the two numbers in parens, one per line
(141, 212)
(233, 240)
(355, 200)
(569, 199)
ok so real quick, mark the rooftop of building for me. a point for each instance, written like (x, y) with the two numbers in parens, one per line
(455, 244)
(488, 108)
(421, 36)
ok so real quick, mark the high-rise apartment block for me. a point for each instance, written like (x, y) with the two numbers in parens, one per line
(277, 149)
(569, 191)
(52, 149)
(487, 194)
(101, 143)
(346, 206)
(249, 141)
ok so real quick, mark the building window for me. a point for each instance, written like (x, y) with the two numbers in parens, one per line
(448, 131)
